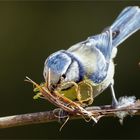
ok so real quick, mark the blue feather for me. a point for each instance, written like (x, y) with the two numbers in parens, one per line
(127, 23)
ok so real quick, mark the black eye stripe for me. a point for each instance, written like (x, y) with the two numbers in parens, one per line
(68, 68)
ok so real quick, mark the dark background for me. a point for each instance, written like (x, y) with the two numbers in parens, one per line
(29, 32)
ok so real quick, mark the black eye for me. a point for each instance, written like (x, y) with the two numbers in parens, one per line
(63, 76)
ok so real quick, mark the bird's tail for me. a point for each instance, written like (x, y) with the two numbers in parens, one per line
(127, 23)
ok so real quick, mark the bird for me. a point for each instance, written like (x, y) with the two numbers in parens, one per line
(94, 57)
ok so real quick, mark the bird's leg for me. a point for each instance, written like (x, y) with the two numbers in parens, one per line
(114, 99)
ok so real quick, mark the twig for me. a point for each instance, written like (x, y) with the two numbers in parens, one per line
(50, 116)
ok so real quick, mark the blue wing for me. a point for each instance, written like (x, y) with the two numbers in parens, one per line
(95, 52)
(127, 23)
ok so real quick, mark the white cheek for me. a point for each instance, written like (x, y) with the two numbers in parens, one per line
(88, 59)
(73, 72)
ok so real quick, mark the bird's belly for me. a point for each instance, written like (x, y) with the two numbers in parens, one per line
(97, 89)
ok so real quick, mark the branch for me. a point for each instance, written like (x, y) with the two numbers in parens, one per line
(50, 116)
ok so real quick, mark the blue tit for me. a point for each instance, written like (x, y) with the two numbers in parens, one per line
(93, 57)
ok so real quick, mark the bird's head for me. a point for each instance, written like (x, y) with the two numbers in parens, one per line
(60, 67)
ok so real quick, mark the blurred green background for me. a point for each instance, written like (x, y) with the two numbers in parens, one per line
(29, 32)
